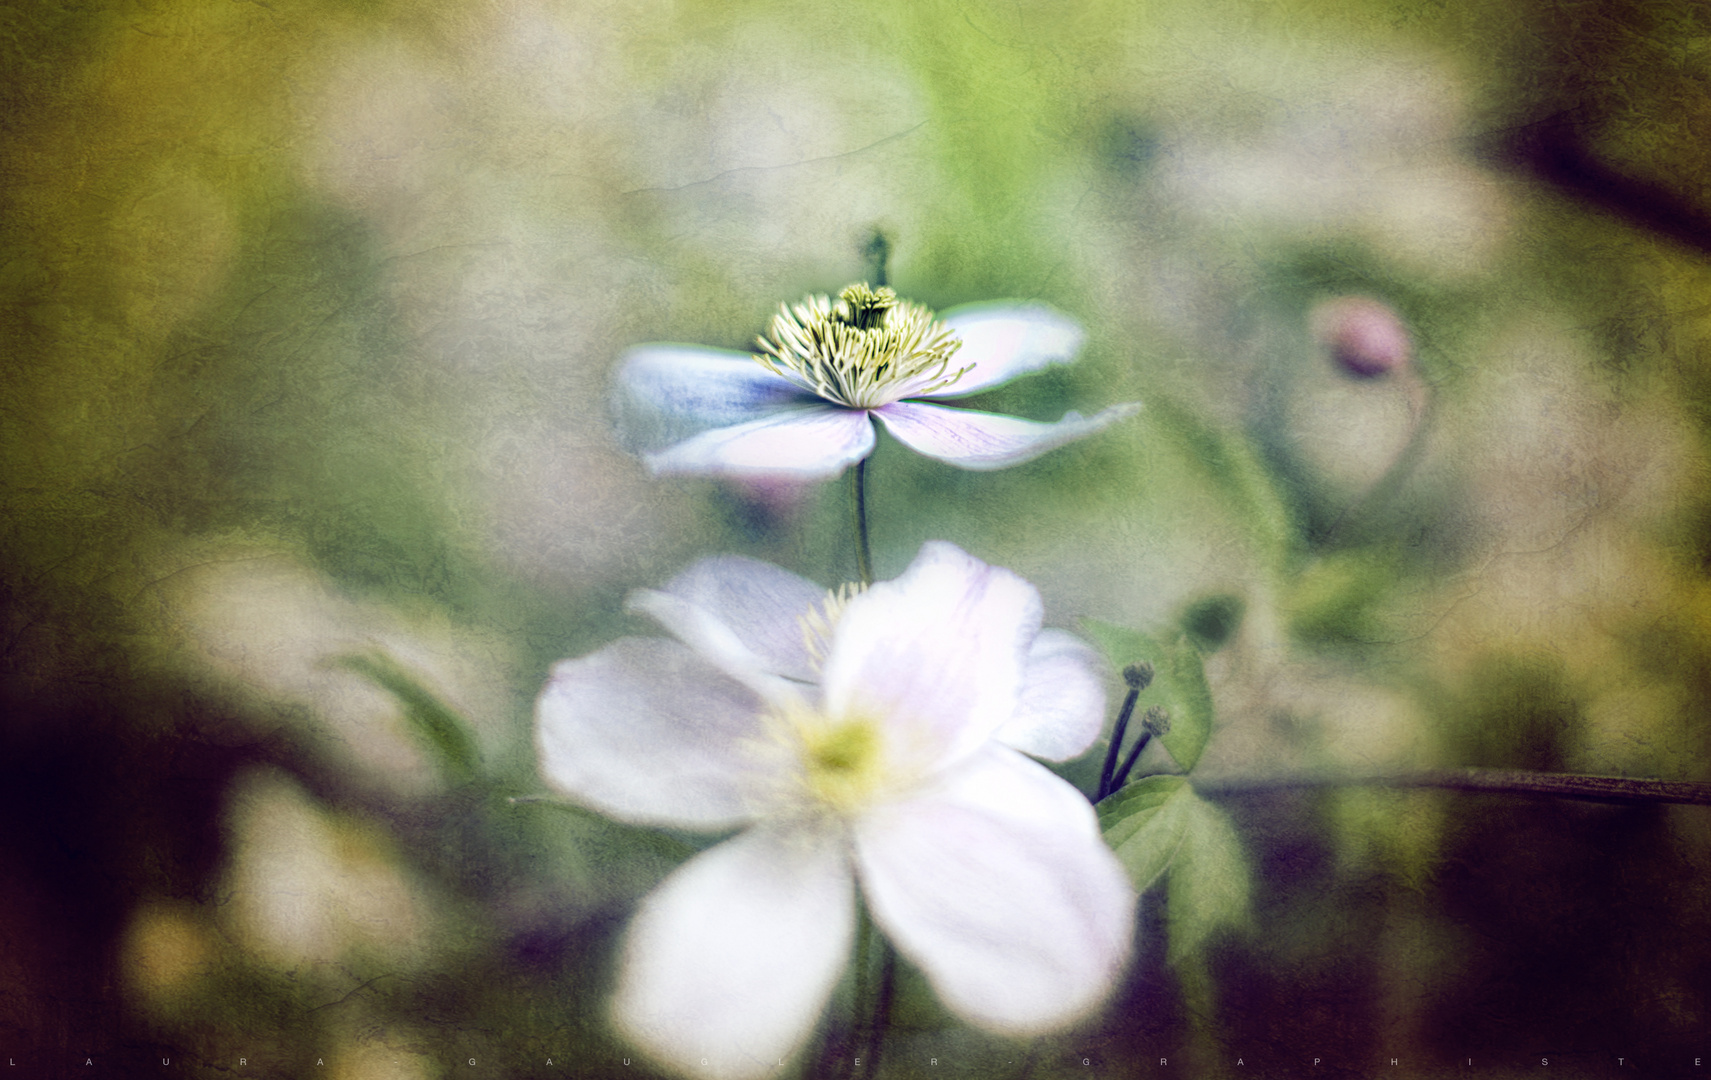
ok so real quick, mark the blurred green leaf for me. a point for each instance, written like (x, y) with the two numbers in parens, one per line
(1229, 466)
(1209, 886)
(1333, 599)
(1158, 827)
(437, 723)
(1143, 824)
(1179, 682)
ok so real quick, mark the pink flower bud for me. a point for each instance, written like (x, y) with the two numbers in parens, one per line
(1365, 337)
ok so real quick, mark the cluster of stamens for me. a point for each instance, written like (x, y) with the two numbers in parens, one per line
(817, 623)
(865, 350)
(841, 764)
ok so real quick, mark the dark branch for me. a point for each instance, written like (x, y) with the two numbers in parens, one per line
(1493, 781)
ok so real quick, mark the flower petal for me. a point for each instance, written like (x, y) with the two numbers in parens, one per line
(663, 394)
(815, 442)
(728, 964)
(1004, 340)
(936, 655)
(982, 440)
(997, 885)
(650, 733)
(1063, 699)
(742, 614)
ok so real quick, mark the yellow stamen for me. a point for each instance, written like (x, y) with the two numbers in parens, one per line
(866, 350)
(818, 622)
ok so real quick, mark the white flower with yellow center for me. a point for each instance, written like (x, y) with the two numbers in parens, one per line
(827, 368)
(867, 739)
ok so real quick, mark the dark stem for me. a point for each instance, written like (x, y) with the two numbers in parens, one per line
(1118, 730)
(845, 1066)
(879, 250)
(1123, 771)
(870, 1009)
(864, 556)
(873, 1041)
(1496, 781)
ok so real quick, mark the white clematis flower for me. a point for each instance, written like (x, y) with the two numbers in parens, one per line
(826, 368)
(863, 738)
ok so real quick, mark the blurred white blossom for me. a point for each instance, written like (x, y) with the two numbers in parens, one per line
(269, 635)
(868, 736)
(312, 892)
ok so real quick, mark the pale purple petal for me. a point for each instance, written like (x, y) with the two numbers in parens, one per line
(935, 655)
(743, 614)
(728, 965)
(981, 440)
(647, 732)
(663, 394)
(1062, 709)
(998, 886)
(1004, 340)
(815, 442)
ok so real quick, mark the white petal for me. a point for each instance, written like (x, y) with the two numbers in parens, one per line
(663, 394)
(1063, 699)
(650, 733)
(935, 655)
(728, 964)
(999, 888)
(1004, 340)
(810, 442)
(743, 614)
(981, 440)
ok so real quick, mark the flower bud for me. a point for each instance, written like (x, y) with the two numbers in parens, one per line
(1365, 337)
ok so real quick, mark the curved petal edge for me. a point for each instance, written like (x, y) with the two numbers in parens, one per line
(728, 964)
(814, 442)
(970, 439)
(998, 885)
(1062, 708)
(1006, 339)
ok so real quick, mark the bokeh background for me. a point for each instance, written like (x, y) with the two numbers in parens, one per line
(309, 312)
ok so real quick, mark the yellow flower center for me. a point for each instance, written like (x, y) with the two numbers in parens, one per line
(843, 763)
(866, 350)
(833, 766)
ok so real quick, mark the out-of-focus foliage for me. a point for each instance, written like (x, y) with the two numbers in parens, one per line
(309, 311)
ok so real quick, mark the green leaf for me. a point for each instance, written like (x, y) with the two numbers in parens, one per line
(435, 722)
(1210, 886)
(1158, 827)
(1229, 465)
(1179, 682)
(1143, 824)
(1335, 599)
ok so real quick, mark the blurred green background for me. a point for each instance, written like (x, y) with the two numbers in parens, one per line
(309, 311)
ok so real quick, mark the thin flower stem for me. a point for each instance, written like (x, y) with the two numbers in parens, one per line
(846, 1067)
(880, 1018)
(1128, 765)
(1118, 730)
(1495, 781)
(879, 250)
(871, 1009)
(858, 489)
